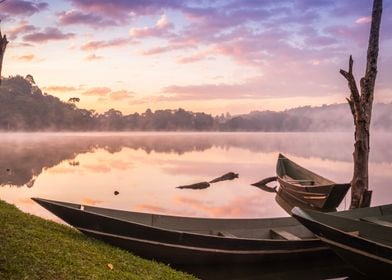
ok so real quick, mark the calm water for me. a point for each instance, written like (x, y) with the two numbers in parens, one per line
(146, 168)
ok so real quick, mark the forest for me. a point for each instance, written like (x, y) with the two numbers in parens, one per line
(24, 107)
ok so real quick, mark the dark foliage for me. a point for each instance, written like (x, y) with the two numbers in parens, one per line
(23, 106)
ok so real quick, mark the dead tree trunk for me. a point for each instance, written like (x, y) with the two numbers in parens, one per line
(361, 108)
(3, 45)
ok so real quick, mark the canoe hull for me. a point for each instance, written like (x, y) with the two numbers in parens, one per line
(308, 187)
(174, 246)
(187, 255)
(349, 240)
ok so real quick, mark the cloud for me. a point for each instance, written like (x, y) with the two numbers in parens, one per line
(27, 57)
(23, 28)
(161, 28)
(121, 95)
(363, 20)
(117, 42)
(92, 57)
(171, 47)
(60, 88)
(48, 34)
(120, 10)
(22, 7)
(97, 91)
(214, 91)
(76, 17)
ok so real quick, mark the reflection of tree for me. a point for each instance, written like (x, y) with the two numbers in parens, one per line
(24, 157)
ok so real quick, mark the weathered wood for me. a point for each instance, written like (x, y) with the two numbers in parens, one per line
(225, 177)
(265, 181)
(197, 186)
(361, 108)
(3, 46)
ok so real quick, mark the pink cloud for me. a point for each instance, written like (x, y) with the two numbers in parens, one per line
(237, 207)
(22, 28)
(172, 46)
(48, 34)
(60, 88)
(76, 17)
(248, 89)
(120, 95)
(121, 9)
(363, 20)
(27, 57)
(23, 7)
(97, 91)
(118, 42)
(161, 28)
(203, 55)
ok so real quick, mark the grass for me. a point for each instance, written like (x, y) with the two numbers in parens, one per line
(34, 248)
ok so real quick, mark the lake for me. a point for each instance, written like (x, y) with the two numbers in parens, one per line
(146, 169)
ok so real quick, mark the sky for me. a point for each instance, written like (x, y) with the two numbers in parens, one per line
(212, 56)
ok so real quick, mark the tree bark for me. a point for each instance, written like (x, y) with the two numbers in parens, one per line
(361, 108)
(3, 45)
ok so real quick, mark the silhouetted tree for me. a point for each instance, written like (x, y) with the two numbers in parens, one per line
(361, 108)
(74, 99)
(3, 45)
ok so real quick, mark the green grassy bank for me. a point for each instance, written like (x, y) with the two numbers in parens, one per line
(34, 248)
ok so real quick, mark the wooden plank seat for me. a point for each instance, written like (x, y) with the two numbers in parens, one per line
(298, 181)
(275, 233)
(224, 234)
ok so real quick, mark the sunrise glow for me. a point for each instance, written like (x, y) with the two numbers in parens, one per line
(211, 56)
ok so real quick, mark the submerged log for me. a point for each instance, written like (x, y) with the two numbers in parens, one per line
(227, 176)
(197, 186)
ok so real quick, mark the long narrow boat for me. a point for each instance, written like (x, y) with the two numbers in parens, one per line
(185, 240)
(365, 243)
(308, 187)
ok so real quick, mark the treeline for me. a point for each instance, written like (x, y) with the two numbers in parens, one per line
(23, 106)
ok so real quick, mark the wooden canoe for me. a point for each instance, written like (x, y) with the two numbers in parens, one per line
(185, 240)
(308, 187)
(364, 243)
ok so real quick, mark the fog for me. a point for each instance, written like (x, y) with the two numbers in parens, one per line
(23, 156)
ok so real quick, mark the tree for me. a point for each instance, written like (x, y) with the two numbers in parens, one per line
(361, 108)
(3, 45)
(73, 99)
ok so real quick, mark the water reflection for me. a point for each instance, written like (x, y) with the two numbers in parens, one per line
(23, 157)
(146, 168)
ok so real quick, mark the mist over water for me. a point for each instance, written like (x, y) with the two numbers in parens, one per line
(146, 168)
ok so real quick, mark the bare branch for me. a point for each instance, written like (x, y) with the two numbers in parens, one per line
(354, 97)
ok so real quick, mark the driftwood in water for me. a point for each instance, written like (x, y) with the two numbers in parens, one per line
(197, 186)
(263, 184)
(227, 176)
